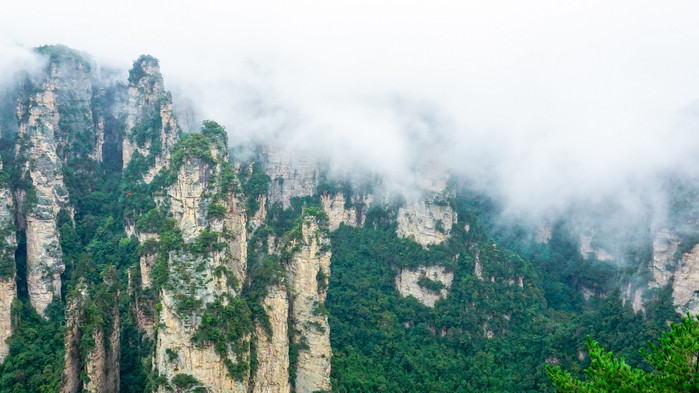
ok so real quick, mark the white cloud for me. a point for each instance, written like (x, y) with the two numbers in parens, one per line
(548, 100)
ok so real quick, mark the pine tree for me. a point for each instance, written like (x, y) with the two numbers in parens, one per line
(675, 361)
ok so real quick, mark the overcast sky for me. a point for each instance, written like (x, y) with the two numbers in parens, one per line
(545, 99)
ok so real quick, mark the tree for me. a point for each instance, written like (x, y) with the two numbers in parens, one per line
(675, 362)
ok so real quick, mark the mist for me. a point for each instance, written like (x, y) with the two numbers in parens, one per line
(543, 104)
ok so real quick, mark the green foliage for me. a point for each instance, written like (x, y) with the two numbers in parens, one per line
(62, 53)
(216, 211)
(255, 183)
(430, 285)
(186, 383)
(148, 131)
(35, 360)
(675, 362)
(225, 325)
(137, 73)
(192, 146)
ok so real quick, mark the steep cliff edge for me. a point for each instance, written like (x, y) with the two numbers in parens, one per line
(426, 222)
(38, 140)
(198, 334)
(8, 244)
(151, 129)
(272, 341)
(307, 275)
(292, 175)
(339, 211)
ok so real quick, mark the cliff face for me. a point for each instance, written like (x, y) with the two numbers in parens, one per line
(209, 269)
(272, 373)
(151, 130)
(102, 359)
(307, 275)
(586, 249)
(340, 212)
(425, 221)
(429, 218)
(665, 246)
(417, 282)
(686, 283)
(8, 288)
(38, 141)
(72, 366)
(291, 176)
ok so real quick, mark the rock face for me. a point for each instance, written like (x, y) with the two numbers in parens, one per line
(102, 363)
(71, 381)
(307, 275)
(201, 278)
(408, 283)
(427, 222)
(586, 250)
(543, 232)
(151, 129)
(291, 176)
(8, 288)
(38, 140)
(176, 354)
(272, 373)
(686, 283)
(665, 246)
(338, 212)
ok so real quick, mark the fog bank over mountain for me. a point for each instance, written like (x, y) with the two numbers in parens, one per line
(543, 104)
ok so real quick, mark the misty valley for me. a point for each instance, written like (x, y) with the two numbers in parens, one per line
(141, 254)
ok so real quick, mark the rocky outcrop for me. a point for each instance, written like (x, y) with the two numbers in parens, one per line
(292, 175)
(307, 274)
(37, 143)
(543, 232)
(665, 245)
(427, 284)
(8, 292)
(80, 134)
(427, 222)
(685, 286)
(587, 250)
(272, 373)
(102, 361)
(340, 212)
(210, 268)
(151, 129)
(92, 340)
(175, 353)
(8, 288)
(72, 366)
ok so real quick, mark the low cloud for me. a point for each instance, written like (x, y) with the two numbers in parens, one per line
(543, 104)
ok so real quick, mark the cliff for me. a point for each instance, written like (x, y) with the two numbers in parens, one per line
(8, 287)
(427, 284)
(151, 130)
(39, 137)
(272, 341)
(307, 274)
(339, 211)
(292, 174)
(205, 273)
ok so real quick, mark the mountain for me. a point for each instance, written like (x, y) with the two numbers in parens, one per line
(136, 257)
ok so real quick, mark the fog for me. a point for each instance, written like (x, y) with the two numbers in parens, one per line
(543, 104)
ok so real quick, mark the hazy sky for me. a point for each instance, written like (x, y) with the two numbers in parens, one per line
(545, 99)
